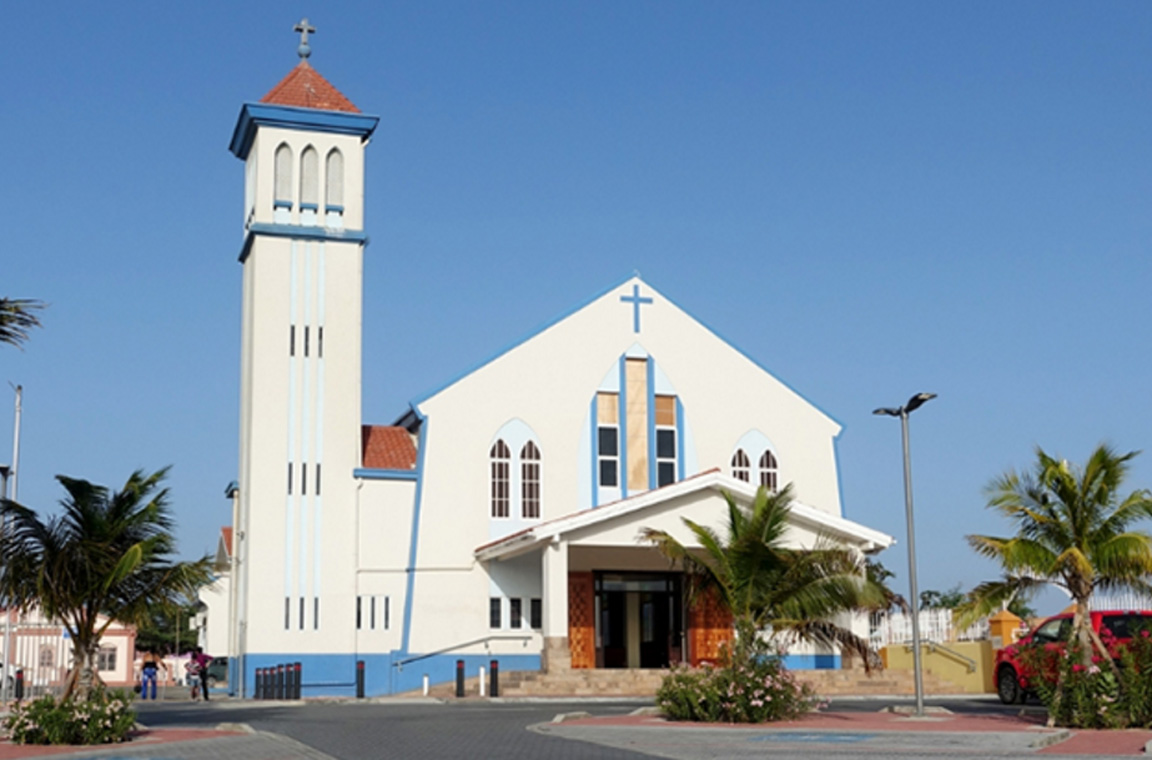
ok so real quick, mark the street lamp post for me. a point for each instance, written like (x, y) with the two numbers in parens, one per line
(913, 404)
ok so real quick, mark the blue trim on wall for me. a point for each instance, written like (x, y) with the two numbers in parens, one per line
(680, 474)
(309, 207)
(281, 204)
(651, 423)
(520, 341)
(622, 428)
(748, 356)
(415, 540)
(253, 115)
(371, 473)
(839, 480)
(595, 418)
(298, 232)
(334, 675)
(334, 207)
(811, 661)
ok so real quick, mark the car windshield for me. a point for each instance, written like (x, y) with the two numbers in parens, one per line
(1053, 630)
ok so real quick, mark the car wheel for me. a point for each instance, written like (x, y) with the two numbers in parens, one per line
(1008, 687)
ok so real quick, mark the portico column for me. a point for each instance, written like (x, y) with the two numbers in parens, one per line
(556, 655)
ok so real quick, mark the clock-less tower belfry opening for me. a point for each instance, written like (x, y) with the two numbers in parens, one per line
(496, 517)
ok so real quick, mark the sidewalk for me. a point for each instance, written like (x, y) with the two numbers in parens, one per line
(855, 732)
(227, 742)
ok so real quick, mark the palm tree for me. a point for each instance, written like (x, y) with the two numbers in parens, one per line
(16, 318)
(1074, 531)
(106, 558)
(766, 585)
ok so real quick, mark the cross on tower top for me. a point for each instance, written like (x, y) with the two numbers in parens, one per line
(305, 29)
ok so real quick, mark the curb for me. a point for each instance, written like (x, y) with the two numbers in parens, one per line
(1047, 740)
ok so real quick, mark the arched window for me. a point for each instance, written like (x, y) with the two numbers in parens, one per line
(47, 656)
(768, 471)
(740, 465)
(530, 481)
(309, 178)
(334, 181)
(501, 475)
(283, 181)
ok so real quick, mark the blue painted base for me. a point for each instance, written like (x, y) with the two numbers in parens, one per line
(334, 675)
(812, 661)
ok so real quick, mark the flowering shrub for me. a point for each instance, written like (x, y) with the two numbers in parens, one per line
(105, 717)
(754, 691)
(1093, 695)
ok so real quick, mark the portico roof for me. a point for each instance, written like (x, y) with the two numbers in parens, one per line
(819, 521)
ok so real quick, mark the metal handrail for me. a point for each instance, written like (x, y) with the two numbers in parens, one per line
(934, 645)
(498, 637)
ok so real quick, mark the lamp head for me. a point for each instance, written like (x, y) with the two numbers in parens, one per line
(917, 401)
(889, 411)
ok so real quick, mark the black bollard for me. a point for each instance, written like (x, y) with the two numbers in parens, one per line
(495, 667)
(459, 678)
(258, 691)
(296, 680)
(280, 681)
(19, 684)
(264, 690)
(289, 681)
(359, 679)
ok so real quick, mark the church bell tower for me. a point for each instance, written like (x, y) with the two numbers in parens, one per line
(303, 147)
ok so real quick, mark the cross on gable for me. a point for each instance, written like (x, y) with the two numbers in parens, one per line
(636, 300)
(305, 29)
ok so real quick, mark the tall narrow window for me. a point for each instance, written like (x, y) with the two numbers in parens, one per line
(608, 438)
(665, 440)
(530, 481)
(536, 614)
(283, 180)
(316, 613)
(768, 471)
(494, 612)
(740, 465)
(334, 184)
(359, 613)
(309, 179)
(515, 613)
(501, 488)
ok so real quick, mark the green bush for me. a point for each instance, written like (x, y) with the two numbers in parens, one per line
(104, 718)
(757, 690)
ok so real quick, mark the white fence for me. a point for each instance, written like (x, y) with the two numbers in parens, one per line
(935, 625)
(1120, 601)
(42, 653)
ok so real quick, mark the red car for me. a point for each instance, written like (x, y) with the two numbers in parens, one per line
(1011, 679)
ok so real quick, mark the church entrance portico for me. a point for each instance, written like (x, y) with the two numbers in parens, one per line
(612, 601)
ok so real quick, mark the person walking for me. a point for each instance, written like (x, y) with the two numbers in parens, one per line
(202, 662)
(149, 668)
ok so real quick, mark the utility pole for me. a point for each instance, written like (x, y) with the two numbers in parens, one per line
(10, 483)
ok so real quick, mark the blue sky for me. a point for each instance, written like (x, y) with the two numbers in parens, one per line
(872, 199)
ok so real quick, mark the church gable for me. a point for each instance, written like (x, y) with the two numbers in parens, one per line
(623, 395)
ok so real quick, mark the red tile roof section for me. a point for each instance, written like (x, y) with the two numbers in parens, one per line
(226, 534)
(305, 88)
(387, 448)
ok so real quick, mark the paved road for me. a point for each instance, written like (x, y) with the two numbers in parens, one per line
(485, 730)
(408, 732)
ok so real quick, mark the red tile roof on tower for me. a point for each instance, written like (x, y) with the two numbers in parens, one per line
(305, 88)
(226, 535)
(387, 448)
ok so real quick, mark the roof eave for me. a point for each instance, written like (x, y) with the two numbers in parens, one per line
(254, 115)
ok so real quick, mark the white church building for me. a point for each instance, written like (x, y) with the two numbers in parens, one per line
(498, 516)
